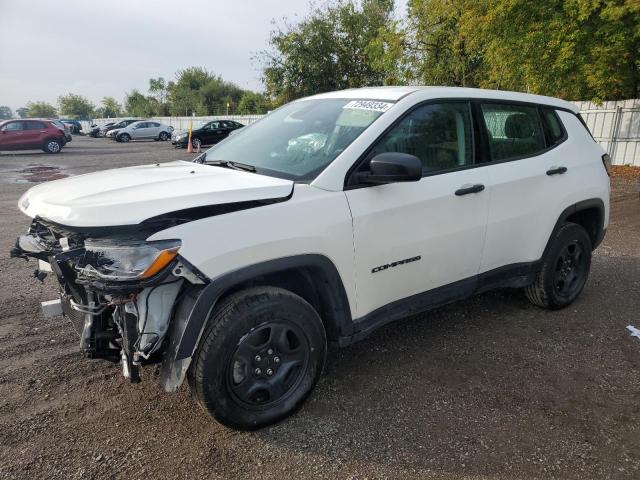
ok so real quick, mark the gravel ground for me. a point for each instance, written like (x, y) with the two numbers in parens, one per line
(491, 387)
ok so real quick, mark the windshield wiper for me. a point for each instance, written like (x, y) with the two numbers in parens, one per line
(233, 165)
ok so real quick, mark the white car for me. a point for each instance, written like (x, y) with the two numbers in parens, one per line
(144, 130)
(328, 218)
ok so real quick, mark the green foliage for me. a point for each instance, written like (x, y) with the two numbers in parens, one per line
(253, 103)
(138, 105)
(158, 88)
(5, 113)
(110, 108)
(41, 110)
(334, 47)
(196, 90)
(574, 49)
(23, 112)
(75, 106)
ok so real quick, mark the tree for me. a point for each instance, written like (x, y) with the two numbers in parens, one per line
(138, 105)
(5, 113)
(196, 90)
(75, 106)
(253, 103)
(330, 49)
(110, 108)
(22, 112)
(41, 110)
(158, 89)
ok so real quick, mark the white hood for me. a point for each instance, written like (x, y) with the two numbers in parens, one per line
(127, 196)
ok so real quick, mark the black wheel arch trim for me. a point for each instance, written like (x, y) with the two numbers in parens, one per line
(587, 204)
(191, 321)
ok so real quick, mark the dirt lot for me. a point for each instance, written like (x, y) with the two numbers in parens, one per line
(488, 388)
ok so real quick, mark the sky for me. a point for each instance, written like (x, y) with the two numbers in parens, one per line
(100, 48)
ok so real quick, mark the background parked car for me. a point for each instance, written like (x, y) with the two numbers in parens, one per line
(144, 129)
(74, 125)
(207, 133)
(65, 128)
(31, 135)
(115, 126)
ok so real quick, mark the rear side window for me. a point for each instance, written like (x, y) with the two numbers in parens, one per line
(33, 125)
(514, 130)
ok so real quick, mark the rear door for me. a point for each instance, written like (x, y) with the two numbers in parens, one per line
(34, 133)
(528, 171)
(414, 237)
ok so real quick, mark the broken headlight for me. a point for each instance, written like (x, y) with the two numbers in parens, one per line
(128, 260)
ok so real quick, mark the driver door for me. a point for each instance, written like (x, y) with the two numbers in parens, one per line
(422, 236)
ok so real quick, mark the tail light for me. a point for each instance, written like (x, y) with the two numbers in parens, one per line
(606, 161)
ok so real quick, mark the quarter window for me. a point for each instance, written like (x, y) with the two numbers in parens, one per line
(439, 134)
(514, 130)
(554, 128)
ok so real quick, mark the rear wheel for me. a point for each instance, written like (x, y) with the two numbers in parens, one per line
(52, 145)
(260, 358)
(565, 269)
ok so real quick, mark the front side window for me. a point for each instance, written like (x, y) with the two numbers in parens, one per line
(14, 127)
(299, 140)
(513, 130)
(439, 134)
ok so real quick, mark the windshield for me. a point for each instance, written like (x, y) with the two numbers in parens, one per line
(299, 140)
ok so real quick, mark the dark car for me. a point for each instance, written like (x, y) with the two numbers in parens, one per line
(206, 134)
(75, 125)
(31, 135)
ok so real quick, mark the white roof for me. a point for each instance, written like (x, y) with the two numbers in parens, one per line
(396, 93)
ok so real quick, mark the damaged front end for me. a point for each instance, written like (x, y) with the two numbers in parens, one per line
(119, 290)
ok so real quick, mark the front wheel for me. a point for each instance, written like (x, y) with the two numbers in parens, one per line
(164, 136)
(124, 138)
(260, 357)
(196, 142)
(565, 268)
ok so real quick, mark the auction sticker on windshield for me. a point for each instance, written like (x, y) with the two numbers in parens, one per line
(369, 105)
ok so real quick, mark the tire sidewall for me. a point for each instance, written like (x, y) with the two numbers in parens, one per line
(568, 233)
(213, 363)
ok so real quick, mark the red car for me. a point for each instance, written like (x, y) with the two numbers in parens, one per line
(30, 135)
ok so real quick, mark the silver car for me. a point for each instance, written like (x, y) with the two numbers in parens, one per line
(144, 129)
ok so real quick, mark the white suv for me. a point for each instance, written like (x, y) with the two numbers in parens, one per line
(328, 218)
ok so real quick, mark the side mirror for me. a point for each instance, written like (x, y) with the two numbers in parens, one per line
(392, 167)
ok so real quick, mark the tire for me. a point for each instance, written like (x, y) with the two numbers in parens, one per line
(196, 142)
(52, 145)
(164, 136)
(261, 356)
(124, 138)
(565, 269)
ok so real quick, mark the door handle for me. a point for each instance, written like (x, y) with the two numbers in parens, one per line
(478, 187)
(556, 170)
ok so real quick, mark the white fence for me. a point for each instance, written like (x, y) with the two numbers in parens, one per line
(616, 125)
